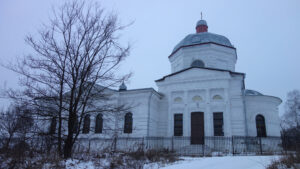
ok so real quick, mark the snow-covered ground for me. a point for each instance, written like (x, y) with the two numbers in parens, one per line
(227, 162)
(70, 164)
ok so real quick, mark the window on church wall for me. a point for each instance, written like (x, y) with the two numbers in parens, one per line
(99, 123)
(178, 124)
(197, 63)
(86, 124)
(52, 128)
(260, 126)
(218, 124)
(76, 125)
(197, 99)
(128, 123)
(178, 100)
(217, 98)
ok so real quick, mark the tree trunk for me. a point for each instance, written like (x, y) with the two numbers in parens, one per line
(69, 141)
(68, 147)
(61, 91)
(59, 135)
(8, 141)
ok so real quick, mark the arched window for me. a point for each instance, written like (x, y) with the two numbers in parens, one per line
(178, 100)
(128, 123)
(197, 99)
(178, 124)
(76, 128)
(86, 124)
(197, 63)
(99, 123)
(52, 128)
(217, 97)
(260, 126)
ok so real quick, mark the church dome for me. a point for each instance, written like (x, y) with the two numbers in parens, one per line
(202, 36)
(201, 22)
(122, 87)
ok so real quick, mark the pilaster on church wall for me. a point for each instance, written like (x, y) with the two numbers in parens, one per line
(208, 122)
(227, 115)
(186, 115)
(170, 117)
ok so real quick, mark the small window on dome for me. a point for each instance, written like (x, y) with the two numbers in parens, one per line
(197, 63)
(178, 100)
(197, 98)
(217, 97)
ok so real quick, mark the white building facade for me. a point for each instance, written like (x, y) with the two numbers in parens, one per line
(203, 96)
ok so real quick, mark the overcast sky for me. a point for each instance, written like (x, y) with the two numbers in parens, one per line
(265, 33)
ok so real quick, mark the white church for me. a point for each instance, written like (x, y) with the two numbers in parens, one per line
(202, 96)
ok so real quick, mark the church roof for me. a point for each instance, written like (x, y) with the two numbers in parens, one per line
(252, 93)
(141, 90)
(183, 70)
(203, 38)
(248, 92)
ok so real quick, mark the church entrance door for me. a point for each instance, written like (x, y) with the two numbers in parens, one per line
(197, 128)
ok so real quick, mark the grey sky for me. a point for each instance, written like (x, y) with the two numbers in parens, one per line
(265, 33)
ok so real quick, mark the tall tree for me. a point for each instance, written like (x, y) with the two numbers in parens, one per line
(75, 59)
(291, 117)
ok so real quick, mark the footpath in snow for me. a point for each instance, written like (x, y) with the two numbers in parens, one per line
(227, 162)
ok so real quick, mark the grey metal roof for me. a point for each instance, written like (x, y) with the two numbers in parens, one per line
(141, 90)
(207, 68)
(252, 93)
(201, 22)
(203, 37)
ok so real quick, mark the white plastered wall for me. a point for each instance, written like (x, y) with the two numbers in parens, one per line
(204, 83)
(266, 106)
(213, 56)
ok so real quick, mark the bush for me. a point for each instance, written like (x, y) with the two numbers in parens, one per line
(288, 161)
(137, 159)
(35, 154)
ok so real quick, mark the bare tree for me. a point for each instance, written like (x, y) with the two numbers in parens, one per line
(75, 60)
(14, 122)
(291, 117)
